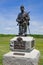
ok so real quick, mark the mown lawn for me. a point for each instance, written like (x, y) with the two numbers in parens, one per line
(4, 47)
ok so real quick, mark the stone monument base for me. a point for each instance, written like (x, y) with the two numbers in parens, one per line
(21, 58)
(22, 43)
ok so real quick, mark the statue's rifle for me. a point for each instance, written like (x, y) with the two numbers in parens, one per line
(28, 26)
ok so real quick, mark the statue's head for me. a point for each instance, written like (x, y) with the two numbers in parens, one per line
(22, 8)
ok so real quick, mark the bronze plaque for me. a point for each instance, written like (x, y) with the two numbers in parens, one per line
(19, 45)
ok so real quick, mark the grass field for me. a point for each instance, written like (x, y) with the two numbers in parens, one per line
(4, 47)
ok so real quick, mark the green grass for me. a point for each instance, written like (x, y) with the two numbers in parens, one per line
(4, 47)
(39, 46)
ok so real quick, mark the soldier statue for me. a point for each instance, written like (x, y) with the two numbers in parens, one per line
(23, 21)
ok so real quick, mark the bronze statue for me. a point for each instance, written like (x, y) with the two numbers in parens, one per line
(23, 21)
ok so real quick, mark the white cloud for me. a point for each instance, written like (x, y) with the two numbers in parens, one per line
(41, 27)
(34, 23)
(8, 28)
(11, 30)
(36, 27)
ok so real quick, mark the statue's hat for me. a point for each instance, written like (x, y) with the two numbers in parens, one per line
(21, 6)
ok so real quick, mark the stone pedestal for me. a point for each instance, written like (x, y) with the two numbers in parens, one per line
(21, 58)
(22, 52)
(22, 43)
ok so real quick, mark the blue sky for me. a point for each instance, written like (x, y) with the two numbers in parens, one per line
(9, 10)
